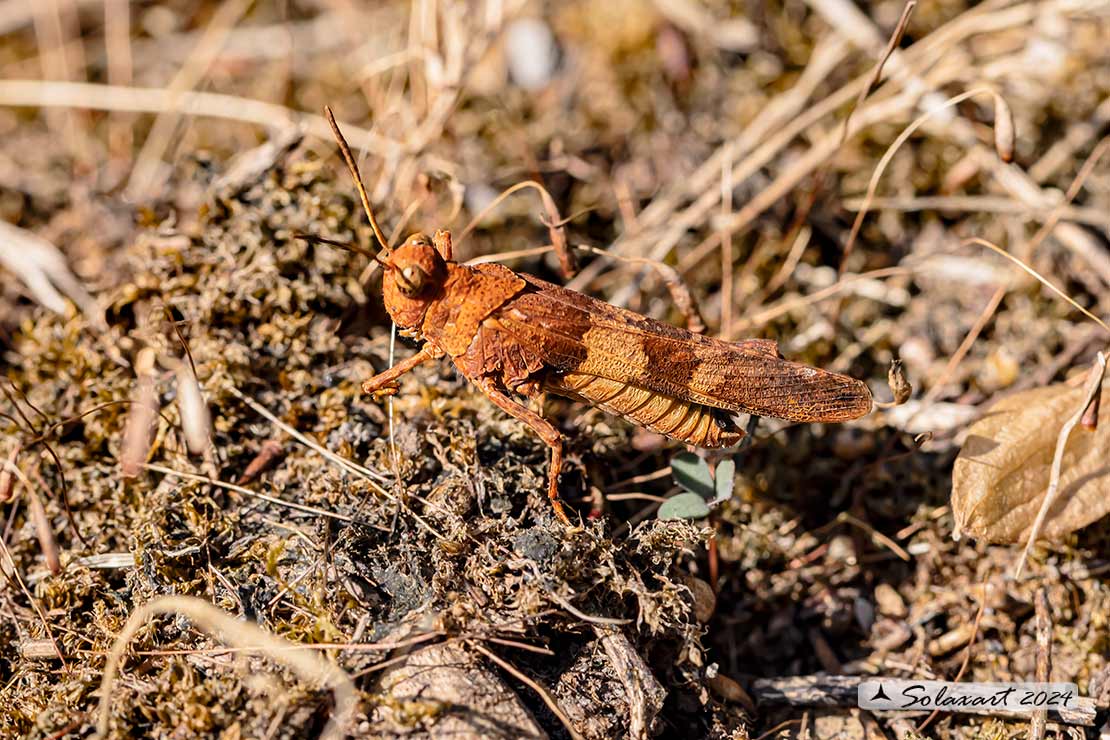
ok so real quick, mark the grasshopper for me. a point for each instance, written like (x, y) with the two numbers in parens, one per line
(513, 334)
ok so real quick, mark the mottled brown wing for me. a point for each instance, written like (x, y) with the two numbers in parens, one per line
(574, 333)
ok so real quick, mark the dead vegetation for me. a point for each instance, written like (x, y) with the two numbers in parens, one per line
(181, 412)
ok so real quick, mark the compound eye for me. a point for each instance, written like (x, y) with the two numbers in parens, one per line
(412, 281)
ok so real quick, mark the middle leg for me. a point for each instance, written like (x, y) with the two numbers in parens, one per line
(540, 426)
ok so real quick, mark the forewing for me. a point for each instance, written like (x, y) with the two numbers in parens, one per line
(576, 333)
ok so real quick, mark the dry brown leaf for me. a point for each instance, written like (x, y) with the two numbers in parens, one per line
(1002, 473)
(473, 702)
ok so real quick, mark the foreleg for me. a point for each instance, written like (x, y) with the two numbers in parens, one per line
(383, 383)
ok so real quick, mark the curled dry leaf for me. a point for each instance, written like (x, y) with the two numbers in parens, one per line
(45, 531)
(195, 419)
(1002, 473)
(899, 384)
(1003, 129)
(271, 452)
(7, 480)
(43, 269)
(138, 433)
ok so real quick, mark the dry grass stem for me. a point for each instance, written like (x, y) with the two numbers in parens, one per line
(191, 73)
(246, 492)
(8, 566)
(542, 692)
(555, 224)
(90, 96)
(308, 666)
(903, 137)
(372, 478)
(1094, 386)
(1040, 278)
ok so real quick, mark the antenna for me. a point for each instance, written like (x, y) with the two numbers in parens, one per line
(353, 168)
(356, 248)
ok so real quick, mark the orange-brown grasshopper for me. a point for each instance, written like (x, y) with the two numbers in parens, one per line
(510, 333)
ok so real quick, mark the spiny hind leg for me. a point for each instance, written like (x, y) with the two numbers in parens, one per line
(542, 427)
(384, 382)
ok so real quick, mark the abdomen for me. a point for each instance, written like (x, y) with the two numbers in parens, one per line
(686, 421)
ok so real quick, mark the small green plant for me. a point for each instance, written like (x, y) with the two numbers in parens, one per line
(702, 489)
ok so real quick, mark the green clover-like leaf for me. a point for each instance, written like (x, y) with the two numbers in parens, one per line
(692, 473)
(684, 506)
(724, 480)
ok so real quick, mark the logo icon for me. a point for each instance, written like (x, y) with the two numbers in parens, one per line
(880, 695)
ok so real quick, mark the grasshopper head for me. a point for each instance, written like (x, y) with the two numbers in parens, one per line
(413, 278)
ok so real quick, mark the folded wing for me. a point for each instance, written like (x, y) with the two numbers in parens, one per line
(578, 334)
